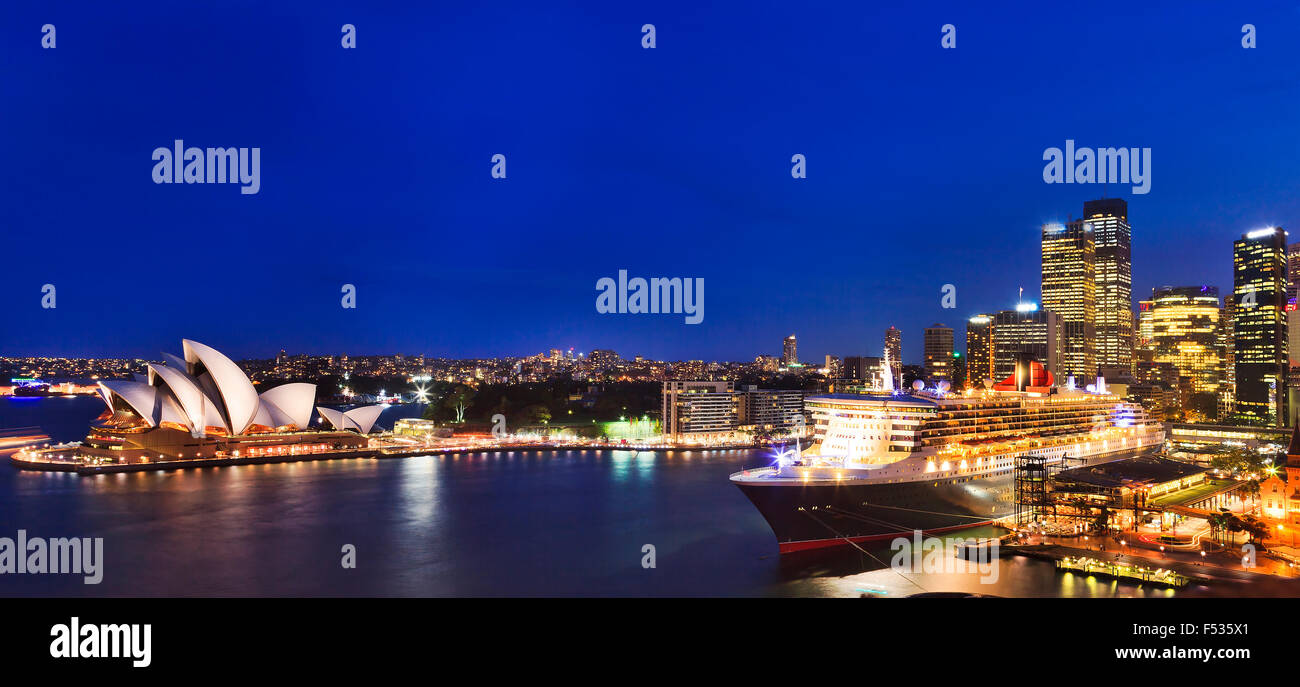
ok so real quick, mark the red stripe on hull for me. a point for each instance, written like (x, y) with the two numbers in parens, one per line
(795, 546)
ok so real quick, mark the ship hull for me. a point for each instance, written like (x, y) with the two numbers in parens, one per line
(821, 515)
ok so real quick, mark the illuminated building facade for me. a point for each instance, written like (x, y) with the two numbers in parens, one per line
(894, 347)
(1185, 332)
(1112, 235)
(1259, 325)
(1145, 338)
(201, 405)
(1069, 285)
(699, 410)
(979, 350)
(789, 351)
(1026, 332)
(938, 353)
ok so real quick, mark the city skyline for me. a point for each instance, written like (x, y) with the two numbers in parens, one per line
(638, 178)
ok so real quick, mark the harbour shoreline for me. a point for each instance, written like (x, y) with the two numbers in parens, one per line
(380, 453)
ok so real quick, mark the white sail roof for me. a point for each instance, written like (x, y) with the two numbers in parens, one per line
(294, 400)
(199, 409)
(207, 389)
(361, 419)
(238, 396)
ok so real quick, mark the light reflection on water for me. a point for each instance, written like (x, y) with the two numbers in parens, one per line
(486, 524)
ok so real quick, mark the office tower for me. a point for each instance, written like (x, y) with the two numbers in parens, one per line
(979, 351)
(1026, 332)
(894, 348)
(938, 352)
(1292, 297)
(833, 367)
(789, 352)
(958, 371)
(1227, 367)
(1185, 333)
(1112, 235)
(1259, 325)
(1069, 284)
(1144, 336)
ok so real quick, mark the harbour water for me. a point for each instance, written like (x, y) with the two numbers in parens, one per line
(557, 523)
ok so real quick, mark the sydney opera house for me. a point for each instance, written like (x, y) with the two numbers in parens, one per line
(202, 406)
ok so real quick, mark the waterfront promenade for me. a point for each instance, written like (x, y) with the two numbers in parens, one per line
(34, 459)
(1212, 566)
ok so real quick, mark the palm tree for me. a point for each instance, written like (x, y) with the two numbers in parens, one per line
(1218, 523)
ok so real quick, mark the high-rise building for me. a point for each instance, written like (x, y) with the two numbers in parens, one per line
(1292, 297)
(789, 352)
(1069, 284)
(1026, 332)
(1259, 325)
(1113, 237)
(1185, 333)
(1144, 334)
(894, 347)
(938, 353)
(1228, 367)
(979, 351)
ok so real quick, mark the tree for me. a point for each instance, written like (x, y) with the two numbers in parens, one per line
(457, 400)
(537, 413)
(1218, 523)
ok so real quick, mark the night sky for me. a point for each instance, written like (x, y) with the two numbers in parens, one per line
(924, 167)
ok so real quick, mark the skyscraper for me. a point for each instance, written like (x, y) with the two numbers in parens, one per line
(1228, 367)
(1292, 297)
(1144, 339)
(938, 353)
(1113, 237)
(894, 347)
(1259, 262)
(979, 351)
(1069, 284)
(1026, 332)
(1185, 332)
(789, 352)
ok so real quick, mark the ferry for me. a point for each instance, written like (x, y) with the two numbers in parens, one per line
(883, 465)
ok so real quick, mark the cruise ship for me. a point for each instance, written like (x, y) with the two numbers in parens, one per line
(883, 465)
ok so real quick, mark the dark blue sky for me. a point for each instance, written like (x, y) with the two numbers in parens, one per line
(924, 167)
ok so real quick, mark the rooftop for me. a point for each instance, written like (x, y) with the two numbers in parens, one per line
(1131, 472)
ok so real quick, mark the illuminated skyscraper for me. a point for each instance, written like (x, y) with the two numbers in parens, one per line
(938, 353)
(894, 347)
(979, 351)
(1259, 325)
(1026, 332)
(1185, 332)
(1145, 340)
(789, 352)
(1070, 290)
(1112, 235)
(1292, 297)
